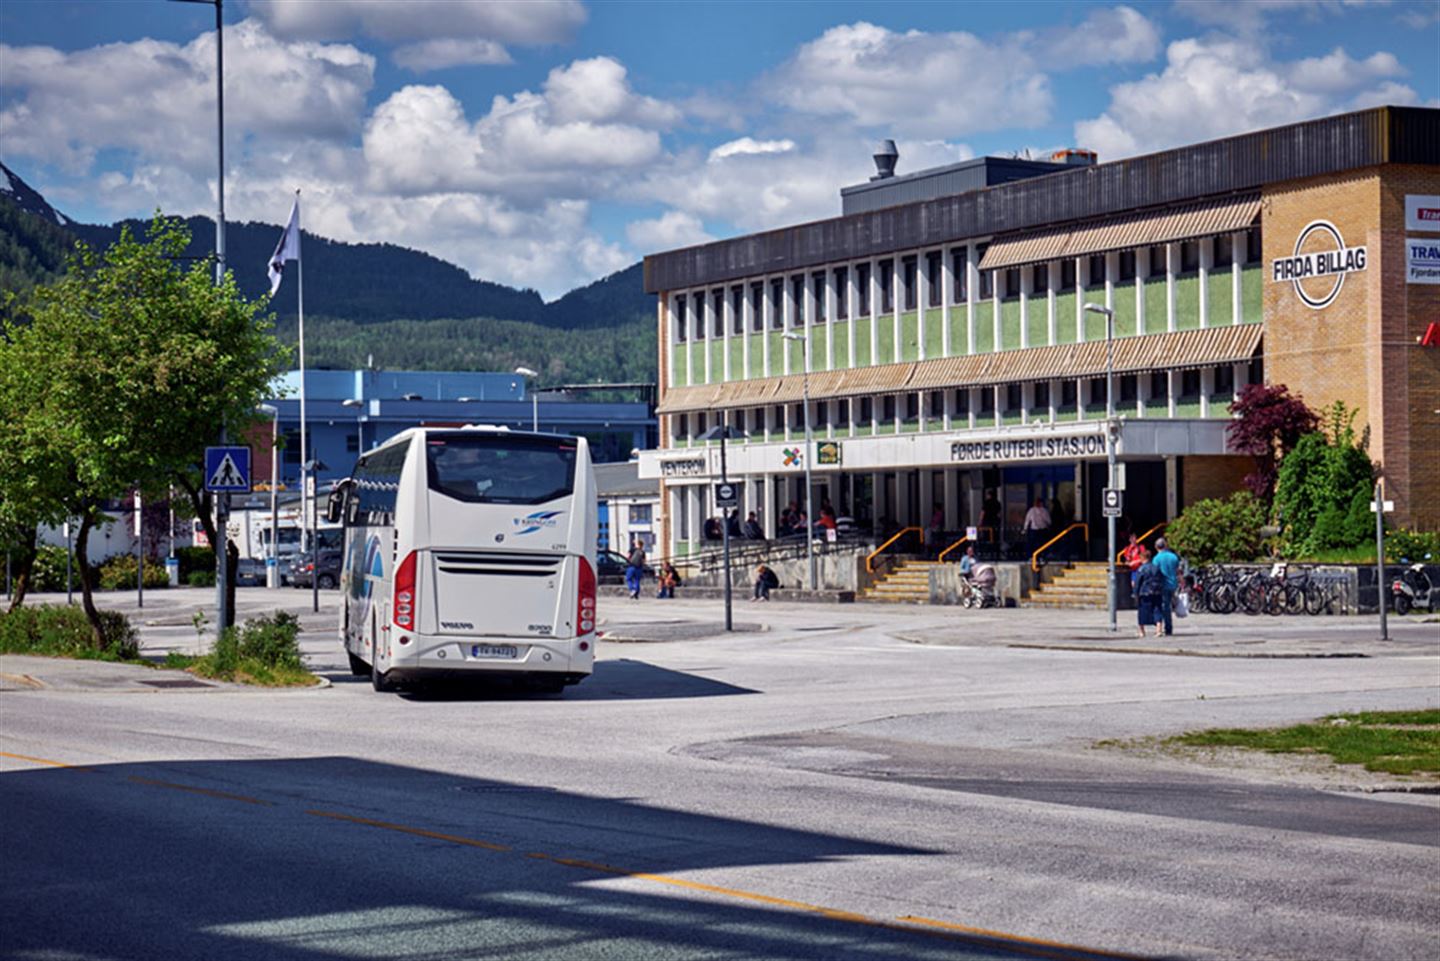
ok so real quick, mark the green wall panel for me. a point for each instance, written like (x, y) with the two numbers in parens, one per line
(1252, 294)
(795, 349)
(985, 327)
(737, 358)
(959, 330)
(1187, 302)
(1037, 321)
(1066, 413)
(863, 430)
(934, 334)
(909, 427)
(1011, 417)
(1222, 302)
(1095, 411)
(1187, 408)
(777, 353)
(1065, 318)
(885, 427)
(910, 336)
(1123, 300)
(886, 324)
(1094, 326)
(757, 356)
(819, 346)
(677, 358)
(697, 362)
(717, 361)
(1010, 323)
(1155, 306)
(1220, 405)
(840, 330)
(862, 343)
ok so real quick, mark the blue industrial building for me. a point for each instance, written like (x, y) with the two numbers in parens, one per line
(349, 411)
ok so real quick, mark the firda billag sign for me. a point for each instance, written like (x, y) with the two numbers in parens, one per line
(1319, 264)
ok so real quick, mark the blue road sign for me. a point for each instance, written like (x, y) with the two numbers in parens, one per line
(227, 470)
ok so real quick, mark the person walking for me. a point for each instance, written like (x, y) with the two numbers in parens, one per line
(1169, 564)
(1149, 592)
(669, 579)
(635, 568)
(1037, 522)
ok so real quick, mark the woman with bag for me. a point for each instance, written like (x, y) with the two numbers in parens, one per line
(1149, 593)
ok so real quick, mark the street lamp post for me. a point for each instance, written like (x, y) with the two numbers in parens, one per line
(1109, 450)
(534, 397)
(272, 563)
(313, 468)
(809, 449)
(721, 432)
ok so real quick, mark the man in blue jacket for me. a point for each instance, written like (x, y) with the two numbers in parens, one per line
(1169, 564)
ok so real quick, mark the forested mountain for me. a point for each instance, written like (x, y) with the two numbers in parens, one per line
(400, 307)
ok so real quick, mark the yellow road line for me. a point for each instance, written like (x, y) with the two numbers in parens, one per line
(908, 924)
(208, 792)
(44, 760)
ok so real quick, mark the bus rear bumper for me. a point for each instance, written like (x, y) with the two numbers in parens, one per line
(495, 657)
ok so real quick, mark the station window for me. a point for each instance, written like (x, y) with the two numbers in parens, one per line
(987, 284)
(697, 314)
(1189, 256)
(1224, 379)
(717, 316)
(862, 283)
(962, 403)
(842, 293)
(912, 407)
(352, 443)
(1067, 393)
(817, 286)
(1040, 278)
(757, 307)
(1190, 383)
(886, 277)
(1159, 385)
(887, 408)
(1129, 388)
(1014, 396)
(797, 294)
(1097, 391)
(842, 412)
(757, 420)
(910, 281)
(1127, 265)
(932, 271)
(777, 304)
(1252, 246)
(959, 274)
(821, 415)
(987, 400)
(680, 331)
(1096, 275)
(1224, 251)
(937, 404)
(1157, 261)
(1042, 395)
(1067, 273)
(737, 309)
(797, 416)
(699, 425)
(867, 410)
(1012, 282)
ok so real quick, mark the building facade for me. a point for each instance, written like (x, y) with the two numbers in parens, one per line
(953, 345)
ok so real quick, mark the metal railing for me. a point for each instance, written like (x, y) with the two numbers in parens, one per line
(870, 558)
(1120, 557)
(967, 537)
(1035, 557)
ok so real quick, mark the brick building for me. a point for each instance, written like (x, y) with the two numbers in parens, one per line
(949, 330)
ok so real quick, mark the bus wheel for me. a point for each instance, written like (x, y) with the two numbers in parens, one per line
(380, 680)
(357, 667)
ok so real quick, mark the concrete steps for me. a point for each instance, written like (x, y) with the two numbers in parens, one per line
(907, 584)
(1082, 586)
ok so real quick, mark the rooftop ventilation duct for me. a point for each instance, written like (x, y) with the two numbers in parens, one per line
(886, 157)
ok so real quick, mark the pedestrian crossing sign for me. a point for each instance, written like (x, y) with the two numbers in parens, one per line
(227, 470)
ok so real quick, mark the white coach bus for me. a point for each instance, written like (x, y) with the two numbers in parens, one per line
(468, 553)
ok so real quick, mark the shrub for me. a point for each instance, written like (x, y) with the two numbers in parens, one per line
(1219, 531)
(1324, 489)
(200, 579)
(48, 572)
(264, 650)
(119, 573)
(195, 559)
(1410, 545)
(64, 631)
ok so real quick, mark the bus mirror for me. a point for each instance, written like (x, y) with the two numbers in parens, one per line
(335, 506)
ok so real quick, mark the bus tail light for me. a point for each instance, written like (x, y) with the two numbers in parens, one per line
(585, 609)
(404, 607)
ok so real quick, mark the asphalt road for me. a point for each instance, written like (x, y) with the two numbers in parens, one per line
(832, 782)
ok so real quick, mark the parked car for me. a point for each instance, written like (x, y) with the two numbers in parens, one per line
(303, 568)
(610, 568)
(250, 572)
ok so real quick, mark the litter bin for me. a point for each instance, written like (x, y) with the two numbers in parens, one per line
(172, 571)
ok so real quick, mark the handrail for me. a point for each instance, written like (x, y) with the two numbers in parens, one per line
(1035, 557)
(870, 558)
(1120, 557)
(947, 550)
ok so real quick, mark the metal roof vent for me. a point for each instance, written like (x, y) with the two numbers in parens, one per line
(886, 157)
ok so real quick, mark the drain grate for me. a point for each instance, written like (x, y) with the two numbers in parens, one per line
(179, 682)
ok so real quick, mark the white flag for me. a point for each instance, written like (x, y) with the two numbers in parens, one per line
(287, 249)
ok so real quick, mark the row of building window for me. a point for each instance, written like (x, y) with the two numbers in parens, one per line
(989, 403)
(689, 316)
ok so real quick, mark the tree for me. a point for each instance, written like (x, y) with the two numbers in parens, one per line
(1268, 423)
(1324, 487)
(129, 368)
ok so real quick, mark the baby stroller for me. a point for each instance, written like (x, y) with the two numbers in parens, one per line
(979, 589)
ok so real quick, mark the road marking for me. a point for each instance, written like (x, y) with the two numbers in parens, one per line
(208, 792)
(908, 924)
(42, 760)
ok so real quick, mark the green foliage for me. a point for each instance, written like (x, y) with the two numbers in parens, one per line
(1324, 488)
(200, 578)
(48, 574)
(264, 650)
(194, 559)
(63, 631)
(120, 573)
(1396, 742)
(1219, 531)
(1410, 545)
(32, 251)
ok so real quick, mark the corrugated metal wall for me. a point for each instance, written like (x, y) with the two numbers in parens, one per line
(1328, 145)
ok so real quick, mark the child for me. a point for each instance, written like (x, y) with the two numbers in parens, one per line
(669, 580)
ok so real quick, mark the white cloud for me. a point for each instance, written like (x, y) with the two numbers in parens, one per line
(1220, 86)
(450, 52)
(598, 90)
(1251, 15)
(673, 229)
(59, 110)
(1107, 35)
(749, 145)
(507, 21)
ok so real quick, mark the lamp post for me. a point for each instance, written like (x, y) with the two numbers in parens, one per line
(809, 449)
(272, 563)
(720, 432)
(1109, 450)
(313, 467)
(534, 397)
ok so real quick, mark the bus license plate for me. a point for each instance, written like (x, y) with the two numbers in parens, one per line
(506, 652)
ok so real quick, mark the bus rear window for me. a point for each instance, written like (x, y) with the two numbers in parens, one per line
(500, 470)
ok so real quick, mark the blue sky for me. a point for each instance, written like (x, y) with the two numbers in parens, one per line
(546, 144)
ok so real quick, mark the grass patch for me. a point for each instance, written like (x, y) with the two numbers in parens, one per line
(1392, 742)
(50, 630)
(264, 651)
